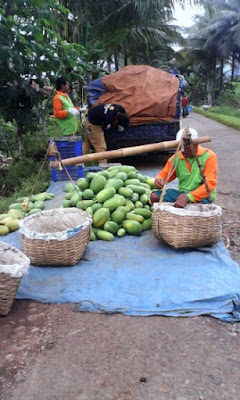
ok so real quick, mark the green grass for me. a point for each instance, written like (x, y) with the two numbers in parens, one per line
(225, 115)
(25, 189)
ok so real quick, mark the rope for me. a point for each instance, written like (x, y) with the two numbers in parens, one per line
(171, 170)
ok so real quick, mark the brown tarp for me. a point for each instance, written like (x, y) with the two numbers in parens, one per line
(148, 94)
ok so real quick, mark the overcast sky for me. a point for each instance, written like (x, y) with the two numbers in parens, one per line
(185, 17)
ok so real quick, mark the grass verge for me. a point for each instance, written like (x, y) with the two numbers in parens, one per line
(25, 189)
(231, 119)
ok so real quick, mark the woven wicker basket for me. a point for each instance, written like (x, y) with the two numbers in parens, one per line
(56, 237)
(13, 264)
(196, 225)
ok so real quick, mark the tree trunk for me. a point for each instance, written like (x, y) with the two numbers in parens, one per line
(116, 61)
(233, 66)
(214, 79)
(210, 92)
(8, 8)
(221, 75)
(20, 140)
(109, 65)
(125, 60)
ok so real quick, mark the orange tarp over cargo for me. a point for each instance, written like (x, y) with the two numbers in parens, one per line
(148, 94)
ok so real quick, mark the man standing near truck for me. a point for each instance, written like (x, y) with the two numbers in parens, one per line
(103, 116)
(63, 109)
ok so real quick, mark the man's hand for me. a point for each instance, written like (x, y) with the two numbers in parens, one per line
(73, 111)
(181, 201)
(159, 183)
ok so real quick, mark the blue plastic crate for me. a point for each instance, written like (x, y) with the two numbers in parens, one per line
(68, 147)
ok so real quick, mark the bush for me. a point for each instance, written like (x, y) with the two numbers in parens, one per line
(227, 98)
(21, 175)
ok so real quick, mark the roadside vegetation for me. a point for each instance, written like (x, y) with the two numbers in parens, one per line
(224, 115)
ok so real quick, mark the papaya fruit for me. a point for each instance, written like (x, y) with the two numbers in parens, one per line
(104, 173)
(12, 225)
(134, 217)
(82, 183)
(132, 182)
(116, 201)
(34, 211)
(3, 230)
(121, 175)
(38, 204)
(116, 183)
(143, 211)
(111, 226)
(104, 235)
(137, 189)
(119, 214)
(127, 168)
(88, 194)
(84, 204)
(147, 224)
(92, 236)
(100, 217)
(106, 194)
(132, 227)
(132, 175)
(69, 187)
(112, 173)
(126, 192)
(75, 199)
(98, 183)
(121, 232)
(96, 207)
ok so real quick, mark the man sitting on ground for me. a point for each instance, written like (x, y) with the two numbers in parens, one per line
(193, 186)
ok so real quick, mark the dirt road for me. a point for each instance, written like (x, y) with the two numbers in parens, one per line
(51, 352)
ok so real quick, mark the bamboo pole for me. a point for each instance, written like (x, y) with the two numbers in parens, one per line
(125, 152)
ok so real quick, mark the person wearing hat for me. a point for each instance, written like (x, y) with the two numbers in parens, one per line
(193, 186)
(63, 109)
(103, 116)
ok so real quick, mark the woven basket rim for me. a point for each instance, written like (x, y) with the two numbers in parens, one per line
(58, 235)
(190, 210)
(21, 265)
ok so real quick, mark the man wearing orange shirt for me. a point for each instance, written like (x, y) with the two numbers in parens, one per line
(64, 110)
(192, 187)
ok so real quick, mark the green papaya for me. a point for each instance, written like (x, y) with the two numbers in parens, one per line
(100, 217)
(132, 227)
(98, 183)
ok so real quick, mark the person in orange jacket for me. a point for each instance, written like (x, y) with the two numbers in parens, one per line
(63, 109)
(183, 165)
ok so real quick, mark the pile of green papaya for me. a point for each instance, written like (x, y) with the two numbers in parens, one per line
(117, 199)
(23, 207)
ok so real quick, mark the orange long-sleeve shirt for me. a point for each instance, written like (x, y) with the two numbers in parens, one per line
(190, 179)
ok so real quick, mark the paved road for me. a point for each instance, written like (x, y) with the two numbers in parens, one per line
(53, 353)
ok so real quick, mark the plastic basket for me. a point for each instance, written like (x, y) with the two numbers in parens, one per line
(13, 265)
(68, 147)
(56, 237)
(196, 225)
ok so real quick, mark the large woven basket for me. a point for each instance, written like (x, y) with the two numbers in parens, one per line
(196, 225)
(13, 265)
(56, 237)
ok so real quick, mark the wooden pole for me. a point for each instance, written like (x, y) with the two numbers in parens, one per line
(125, 152)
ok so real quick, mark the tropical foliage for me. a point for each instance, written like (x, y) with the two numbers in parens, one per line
(214, 42)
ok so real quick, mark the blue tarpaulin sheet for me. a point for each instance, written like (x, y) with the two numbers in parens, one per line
(140, 276)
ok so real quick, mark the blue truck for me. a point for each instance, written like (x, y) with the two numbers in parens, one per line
(141, 133)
